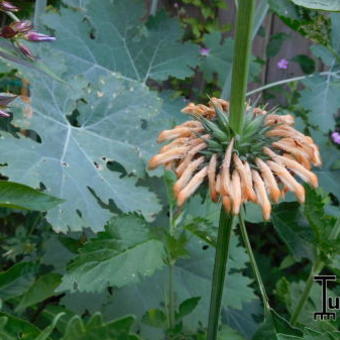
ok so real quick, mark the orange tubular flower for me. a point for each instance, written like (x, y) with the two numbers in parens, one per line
(258, 165)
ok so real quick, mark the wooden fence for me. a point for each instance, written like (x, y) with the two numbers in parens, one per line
(272, 24)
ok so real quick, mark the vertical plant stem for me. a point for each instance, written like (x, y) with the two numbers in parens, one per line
(260, 14)
(316, 269)
(221, 257)
(244, 26)
(154, 6)
(171, 300)
(253, 264)
(13, 16)
(39, 8)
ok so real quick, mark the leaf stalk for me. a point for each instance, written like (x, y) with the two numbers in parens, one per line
(253, 263)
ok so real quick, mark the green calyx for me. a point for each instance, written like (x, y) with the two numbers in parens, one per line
(248, 144)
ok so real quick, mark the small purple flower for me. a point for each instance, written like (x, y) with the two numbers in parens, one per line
(22, 26)
(204, 51)
(25, 51)
(8, 7)
(176, 5)
(336, 137)
(4, 114)
(4, 101)
(35, 36)
(283, 64)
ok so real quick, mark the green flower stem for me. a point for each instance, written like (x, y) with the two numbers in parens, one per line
(260, 14)
(240, 71)
(290, 80)
(221, 257)
(171, 300)
(13, 16)
(39, 8)
(316, 269)
(253, 263)
(154, 6)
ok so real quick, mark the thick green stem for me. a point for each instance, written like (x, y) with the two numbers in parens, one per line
(221, 257)
(316, 269)
(254, 264)
(260, 14)
(171, 300)
(154, 5)
(39, 8)
(242, 52)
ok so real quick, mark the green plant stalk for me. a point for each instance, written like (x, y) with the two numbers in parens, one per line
(39, 8)
(13, 16)
(315, 270)
(260, 14)
(289, 80)
(154, 6)
(221, 257)
(253, 264)
(240, 71)
(171, 300)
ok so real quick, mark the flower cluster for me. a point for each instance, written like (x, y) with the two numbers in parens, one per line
(4, 101)
(21, 30)
(6, 6)
(258, 165)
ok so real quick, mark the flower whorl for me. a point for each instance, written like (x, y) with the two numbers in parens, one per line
(258, 165)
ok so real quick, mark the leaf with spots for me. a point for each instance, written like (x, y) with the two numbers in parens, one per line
(71, 161)
(113, 38)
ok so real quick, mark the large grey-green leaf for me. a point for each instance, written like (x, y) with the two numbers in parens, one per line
(321, 93)
(191, 277)
(113, 38)
(328, 174)
(121, 255)
(326, 5)
(294, 230)
(321, 97)
(71, 161)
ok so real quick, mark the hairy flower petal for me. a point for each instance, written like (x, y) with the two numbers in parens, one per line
(165, 157)
(212, 177)
(269, 180)
(192, 186)
(187, 174)
(189, 156)
(288, 180)
(261, 194)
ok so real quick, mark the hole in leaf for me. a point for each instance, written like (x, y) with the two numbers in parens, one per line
(115, 166)
(144, 124)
